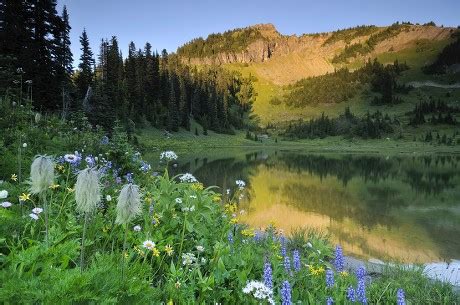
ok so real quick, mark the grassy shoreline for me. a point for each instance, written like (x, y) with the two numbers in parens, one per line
(153, 139)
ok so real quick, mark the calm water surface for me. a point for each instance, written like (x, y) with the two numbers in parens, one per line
(397, 208)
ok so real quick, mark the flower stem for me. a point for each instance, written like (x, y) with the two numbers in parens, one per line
(45, 205)
(182, 238)
(82, 251)
(123, 254)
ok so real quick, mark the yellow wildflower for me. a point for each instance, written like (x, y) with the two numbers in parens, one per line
(155, 252)
(197, 186)
(169, 250)
(70, 190)
(234, 220)
(139, 251)
(54, 186)
(60, 168)
(14, 177)
(248, 232)
(344, 274)
(230, 208)
(216, 198)
(316, 271)
(24, 197)
(148, 200)
(156, 220)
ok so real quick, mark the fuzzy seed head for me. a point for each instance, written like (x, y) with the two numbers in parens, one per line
(41, 174)
(129, 204)
(87, 190)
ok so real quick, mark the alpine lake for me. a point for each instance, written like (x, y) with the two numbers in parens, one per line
(400, 208)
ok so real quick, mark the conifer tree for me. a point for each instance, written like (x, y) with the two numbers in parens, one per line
(84, 78)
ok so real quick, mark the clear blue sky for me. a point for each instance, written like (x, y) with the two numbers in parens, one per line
(170, 23)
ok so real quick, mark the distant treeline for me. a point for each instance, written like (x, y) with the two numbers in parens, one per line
(441, 113)
(370, 126)
(342, 85)
(229, 41)
(349, 34)
(368, 46)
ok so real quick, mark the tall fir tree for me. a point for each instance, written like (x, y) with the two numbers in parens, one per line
(85, 76)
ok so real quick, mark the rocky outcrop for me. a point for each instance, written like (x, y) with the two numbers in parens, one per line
(288, 58)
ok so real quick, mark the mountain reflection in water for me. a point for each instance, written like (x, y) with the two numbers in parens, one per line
(398, 208)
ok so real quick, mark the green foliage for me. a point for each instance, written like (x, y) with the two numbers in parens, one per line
(202, 254)
(450, 55)
(230, 41)
(371, 126)
(369, 45)
(441, 113)
(342, 85)
(347, 35)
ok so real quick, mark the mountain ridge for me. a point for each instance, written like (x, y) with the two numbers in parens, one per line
(285, 59)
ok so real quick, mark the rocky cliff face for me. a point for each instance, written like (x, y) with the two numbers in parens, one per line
(286, 59)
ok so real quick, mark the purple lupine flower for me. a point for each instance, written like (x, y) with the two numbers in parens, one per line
(338, 259)
(145, 166)
(258, 236)
(361, 291)
(118, 180)
(268, 279)
(286, 294)
(129, 177)
(401, 297)
(296, 259)
(109, 164)
(103, 170)
(230, 237)
(329, 301)
(287, 264)
(152, 205)
(105, 140)
(90, 161)
(283, 245)
(351, 294)
(329, 278)
(360, 273)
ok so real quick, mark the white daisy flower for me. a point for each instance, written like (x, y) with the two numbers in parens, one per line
(37, 210)
(148, 244)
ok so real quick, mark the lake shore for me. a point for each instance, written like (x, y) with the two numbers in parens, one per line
(156, 140)
(436, 271)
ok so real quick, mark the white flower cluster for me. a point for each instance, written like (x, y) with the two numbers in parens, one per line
(241, 184)
(35, 213)
(188, 178)
(3, 194)
(259, 290)
(168, 155)
(6, 204)
(188, 259)
(199, 248)
(190, 209)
